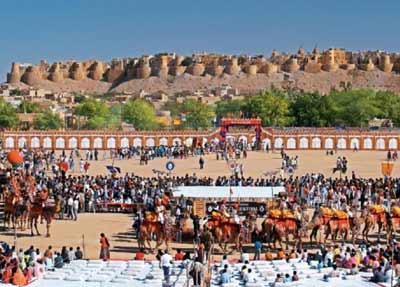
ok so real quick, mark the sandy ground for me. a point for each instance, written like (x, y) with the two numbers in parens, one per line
(363, 163)
(118, 226)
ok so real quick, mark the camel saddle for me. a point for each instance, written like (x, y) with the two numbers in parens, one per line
(219, 216)
(376, 209)
(339, 214)
(281, 214)
(150, 216)
(396, 211)
(326, 211)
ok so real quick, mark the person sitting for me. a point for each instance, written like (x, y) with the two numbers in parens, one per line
(295, 277)
(19, 278)
(179, 255)
(278, 278)
(379, 276)
(243, 272)
(58, 261)
(249, 277)
(78, 253)
(353, 270)
(269, 255)
(225, 278)
(281, 255)
(287, 278)
(140, 254)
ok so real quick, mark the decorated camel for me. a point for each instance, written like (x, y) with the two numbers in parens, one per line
(153, 229)
(228, 232)
(45, 210)
(342, 223)
(280, 224)
(393, 222)
(374, 215)
(319, 223)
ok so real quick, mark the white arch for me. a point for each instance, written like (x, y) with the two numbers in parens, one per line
(9, 142)
(355, 143)
(380, 143)
(278, 143)
(125, 142)
(393, 143)
(150, 142)
(47, 142)
(98, 143)
(243, 139)
(188, 141)
(85, 143)
(316, 143)
(72, 143)
(328, 143)
(137, 142)
(266, 142)
(368, 143)
(111, 143)
(163, 141)
(304, 143)
(60, 143)
(35, 142)
(204, 141)
(177, 141)
(21, 142)
(341, 144)
(291, 143)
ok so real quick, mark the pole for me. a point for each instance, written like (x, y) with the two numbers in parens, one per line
(83, 246)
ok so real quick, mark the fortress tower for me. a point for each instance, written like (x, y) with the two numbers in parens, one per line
(55, 73)
(14, 76)
(32, 75)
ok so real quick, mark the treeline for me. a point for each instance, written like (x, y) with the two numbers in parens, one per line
(276, 108)
(349, 108)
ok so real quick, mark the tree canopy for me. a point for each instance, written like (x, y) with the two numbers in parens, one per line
(47, 121)
(140, 113)
(8, 115)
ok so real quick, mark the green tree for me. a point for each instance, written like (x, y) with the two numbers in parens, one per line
(8, 115)
(91, 108)
(271, 106)
(140, 113)
(389, 106)
(312, 110)
(230, 108)
(48, 121)
(197, 115)
(356, 107)
(28, 107)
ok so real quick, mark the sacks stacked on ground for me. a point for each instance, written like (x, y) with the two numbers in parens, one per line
(277, 213)
(150, 216)
(376, 209)
(340, 214)
(396, 211)
(325, 211)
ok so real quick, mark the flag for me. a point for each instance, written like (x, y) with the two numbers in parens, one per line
(113, 169)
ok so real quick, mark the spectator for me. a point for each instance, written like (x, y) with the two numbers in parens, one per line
(78, 253)
(104, 248)
(165, 264)
(179, 255)
(140, 254)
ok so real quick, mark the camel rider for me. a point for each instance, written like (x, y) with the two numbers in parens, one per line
(298, 215)
(235, 213)
(223, 209)
(283, 203)
(347, 209)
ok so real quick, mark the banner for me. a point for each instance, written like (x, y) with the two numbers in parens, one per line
(387, 168)
(259, 208)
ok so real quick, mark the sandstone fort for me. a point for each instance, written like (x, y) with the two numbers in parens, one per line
(317, 70)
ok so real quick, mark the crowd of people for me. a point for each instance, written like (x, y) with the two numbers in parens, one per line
(20, 267)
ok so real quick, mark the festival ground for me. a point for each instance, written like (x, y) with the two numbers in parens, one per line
(365, 164)
(118, 226)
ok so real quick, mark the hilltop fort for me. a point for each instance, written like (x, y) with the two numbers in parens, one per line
(306, 71)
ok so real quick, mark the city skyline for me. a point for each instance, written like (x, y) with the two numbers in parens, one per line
(104, 30)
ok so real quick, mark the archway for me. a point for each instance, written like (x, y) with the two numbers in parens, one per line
(368, 143)
(393, 143)
(98, 143)
(60, 143)
(341, 144)
(278, 143)
(72, 143)
(328, 143)
(380, 143)
(35, 142)
(316, 143)
(355, 143)
(303, 143)
(111, 143)
(291, 143)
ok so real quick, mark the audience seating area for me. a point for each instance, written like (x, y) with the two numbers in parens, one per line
(96, 273)
(310, 276)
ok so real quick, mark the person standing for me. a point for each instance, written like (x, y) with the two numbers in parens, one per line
(165, 264)
(75, 208)
(257, 247)
(201, 162)
(196, 271)
(104, 248)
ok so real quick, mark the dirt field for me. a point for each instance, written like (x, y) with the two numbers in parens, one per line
(118, 226)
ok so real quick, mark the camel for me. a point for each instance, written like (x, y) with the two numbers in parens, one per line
(150, 230)
(339, 226)
(275, 229)
(226, 233)
(393, 225)
(318, 221)
(47, 212)
(15, 212)
(374, 219)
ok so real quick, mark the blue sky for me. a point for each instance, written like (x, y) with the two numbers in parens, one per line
(103, 29)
